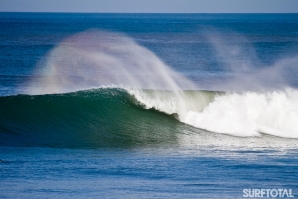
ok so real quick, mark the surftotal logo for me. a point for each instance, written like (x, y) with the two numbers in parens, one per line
(268, 193)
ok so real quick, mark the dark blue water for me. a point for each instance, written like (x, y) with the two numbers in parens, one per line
(102, 144)
(137, 173)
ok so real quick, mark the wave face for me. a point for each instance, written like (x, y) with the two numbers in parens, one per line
(93, 118)
(112, 117)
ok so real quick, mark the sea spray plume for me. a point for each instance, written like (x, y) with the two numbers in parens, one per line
(96, 59)
(237, 56)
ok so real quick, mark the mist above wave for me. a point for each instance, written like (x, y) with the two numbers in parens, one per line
(94, 59)
(237, 56)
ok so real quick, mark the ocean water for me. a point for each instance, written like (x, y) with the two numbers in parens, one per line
(147, 105)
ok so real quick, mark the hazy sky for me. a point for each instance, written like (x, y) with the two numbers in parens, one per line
(152, 6)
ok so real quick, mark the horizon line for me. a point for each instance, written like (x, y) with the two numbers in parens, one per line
(69, 12)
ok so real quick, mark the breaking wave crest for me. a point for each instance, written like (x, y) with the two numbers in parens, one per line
(239, 114)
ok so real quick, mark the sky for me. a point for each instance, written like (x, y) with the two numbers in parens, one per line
(151, 6)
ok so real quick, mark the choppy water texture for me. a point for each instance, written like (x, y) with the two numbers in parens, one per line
(147, 105)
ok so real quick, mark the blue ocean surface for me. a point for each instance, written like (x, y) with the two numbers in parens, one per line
(147, 105)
